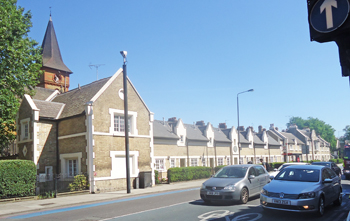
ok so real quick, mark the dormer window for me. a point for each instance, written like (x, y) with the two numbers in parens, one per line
(182, 138)
(210, 140)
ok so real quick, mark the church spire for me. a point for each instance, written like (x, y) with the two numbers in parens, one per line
(51, 52)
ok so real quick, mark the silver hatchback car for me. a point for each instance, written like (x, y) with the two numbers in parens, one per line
(235, 183)
(302, 188)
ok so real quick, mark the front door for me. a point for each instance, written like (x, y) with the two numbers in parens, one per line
(212, 162)
(182, 162)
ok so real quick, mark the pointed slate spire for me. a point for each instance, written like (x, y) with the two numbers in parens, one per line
(51, 52)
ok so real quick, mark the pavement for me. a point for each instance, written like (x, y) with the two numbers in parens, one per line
(34, 205)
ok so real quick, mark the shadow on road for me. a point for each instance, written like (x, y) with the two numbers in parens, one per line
(224, 212)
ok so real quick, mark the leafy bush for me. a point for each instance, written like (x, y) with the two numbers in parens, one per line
(79, 183)
(188, 173)
(276, 165)
(156, 176)
(337, 161)
(17, 178)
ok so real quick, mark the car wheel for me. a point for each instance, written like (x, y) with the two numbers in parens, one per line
(338, 201)
(244, 195)
(320, 209)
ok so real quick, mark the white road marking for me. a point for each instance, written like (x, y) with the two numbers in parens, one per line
(116, 217)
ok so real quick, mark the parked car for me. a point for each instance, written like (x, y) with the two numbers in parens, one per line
(235, 183)
(276, 171)
(302, 188)
(331, 165)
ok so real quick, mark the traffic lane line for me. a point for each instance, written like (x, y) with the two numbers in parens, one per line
(164, 207)
(48, 212)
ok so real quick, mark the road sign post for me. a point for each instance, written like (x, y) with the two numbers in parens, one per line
(329, 21)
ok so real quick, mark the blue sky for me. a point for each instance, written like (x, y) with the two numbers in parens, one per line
(189, 59)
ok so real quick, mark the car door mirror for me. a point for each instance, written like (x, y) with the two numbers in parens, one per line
(275, 169)
(327, 180)
(272, 177)
(251, 177)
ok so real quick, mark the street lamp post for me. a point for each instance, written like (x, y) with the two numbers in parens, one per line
(126, 122)
(239, 143)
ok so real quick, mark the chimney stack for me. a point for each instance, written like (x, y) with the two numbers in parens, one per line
(173, 119)
(222, 126)
(200, 123)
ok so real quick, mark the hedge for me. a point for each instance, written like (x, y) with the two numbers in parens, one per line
(188, 173)
(17, 178)
(337, 161)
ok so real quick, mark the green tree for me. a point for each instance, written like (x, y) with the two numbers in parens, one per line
(347, 133)
(20, 62)
(321, 128)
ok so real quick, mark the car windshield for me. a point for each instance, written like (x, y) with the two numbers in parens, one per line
(283, 166)
(303, 175)
(231, 172)
(322, 164)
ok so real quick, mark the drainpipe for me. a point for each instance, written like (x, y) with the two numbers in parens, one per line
(57, 159)
(216, 159)
(188, 154)
(89, 115)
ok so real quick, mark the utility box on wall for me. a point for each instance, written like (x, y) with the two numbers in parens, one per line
(145, 179)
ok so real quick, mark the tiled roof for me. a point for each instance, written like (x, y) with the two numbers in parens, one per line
(291, 138)
(242, 138)
(161, 130)
(76, 99)
(272, 141)
(193, 133)
(257, 139)
(42, 93)
(220, 136)
(51, 52)
(48, 109)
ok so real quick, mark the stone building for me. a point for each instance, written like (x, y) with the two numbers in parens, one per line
(81, 131)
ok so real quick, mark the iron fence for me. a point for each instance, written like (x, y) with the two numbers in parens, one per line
(49, 185)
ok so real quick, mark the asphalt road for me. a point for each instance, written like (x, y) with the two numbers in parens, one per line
(181, 205)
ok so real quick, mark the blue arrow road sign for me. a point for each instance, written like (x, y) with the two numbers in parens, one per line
(328, 15)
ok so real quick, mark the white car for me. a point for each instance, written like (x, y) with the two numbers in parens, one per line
(276, 171)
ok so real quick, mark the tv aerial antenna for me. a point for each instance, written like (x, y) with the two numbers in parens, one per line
(96, 66)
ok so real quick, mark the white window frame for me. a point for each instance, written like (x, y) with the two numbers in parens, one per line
(181, 138)
(119, 165)
(220, 161)
(121, 126)
(194, 162)
(64, 163)
(204, 162)
(25, 135)
(72, 170)
(172, 162)
(133, 122)
(159, 164)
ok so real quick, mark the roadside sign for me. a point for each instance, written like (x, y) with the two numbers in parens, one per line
(328, 15)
